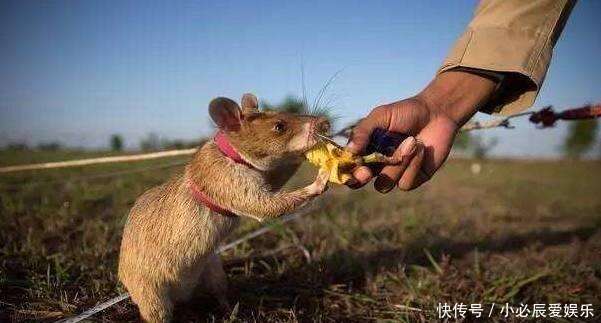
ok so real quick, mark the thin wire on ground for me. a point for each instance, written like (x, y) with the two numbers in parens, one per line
(115, 300)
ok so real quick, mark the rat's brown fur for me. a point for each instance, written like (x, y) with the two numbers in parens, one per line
(169, 240)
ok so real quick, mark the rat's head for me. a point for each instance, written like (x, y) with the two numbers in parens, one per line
(266, 139)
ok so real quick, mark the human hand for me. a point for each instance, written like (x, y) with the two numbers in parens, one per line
(431, 118)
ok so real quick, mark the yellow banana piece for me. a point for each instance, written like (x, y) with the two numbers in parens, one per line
(339, 162)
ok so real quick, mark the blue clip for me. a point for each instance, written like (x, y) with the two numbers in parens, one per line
(384, 142)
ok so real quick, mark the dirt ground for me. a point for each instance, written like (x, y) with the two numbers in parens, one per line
(519, 232)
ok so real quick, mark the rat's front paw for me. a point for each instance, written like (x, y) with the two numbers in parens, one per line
(320, 184)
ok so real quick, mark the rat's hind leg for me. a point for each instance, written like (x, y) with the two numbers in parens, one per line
(155, 305)
(214, 281)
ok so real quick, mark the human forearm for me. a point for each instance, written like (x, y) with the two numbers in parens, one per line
(457, 94)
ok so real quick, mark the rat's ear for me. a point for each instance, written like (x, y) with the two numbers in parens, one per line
(250, 104)
(225, 113)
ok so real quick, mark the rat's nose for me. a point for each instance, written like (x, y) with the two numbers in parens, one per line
(322, 126)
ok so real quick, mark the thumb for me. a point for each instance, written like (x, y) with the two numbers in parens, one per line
(359, 138)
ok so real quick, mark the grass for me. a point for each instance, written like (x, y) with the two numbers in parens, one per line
(518, 232)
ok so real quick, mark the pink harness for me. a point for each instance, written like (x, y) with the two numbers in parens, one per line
(224, 146)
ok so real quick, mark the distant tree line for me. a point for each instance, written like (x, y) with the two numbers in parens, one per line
(43, 146)
(581, 136)
(290, 104)
(152, 142)
(116, 142)
(581, 139)
(293, 104)
(474, 145)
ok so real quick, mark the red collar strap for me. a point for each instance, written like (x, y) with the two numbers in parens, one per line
(223, 144)
(202, 198)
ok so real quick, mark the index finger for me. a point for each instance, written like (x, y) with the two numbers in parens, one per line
(361, 133)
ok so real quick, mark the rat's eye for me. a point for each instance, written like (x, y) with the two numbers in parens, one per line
(279, 126)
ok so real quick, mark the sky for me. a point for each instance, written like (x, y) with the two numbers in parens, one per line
(79, 71)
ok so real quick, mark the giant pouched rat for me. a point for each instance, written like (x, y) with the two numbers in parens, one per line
(173, 230)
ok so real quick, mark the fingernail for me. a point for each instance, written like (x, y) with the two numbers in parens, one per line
(408, 146)
(362, 174)
(384, 184)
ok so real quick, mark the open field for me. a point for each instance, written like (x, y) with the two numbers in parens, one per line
(519, 232)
